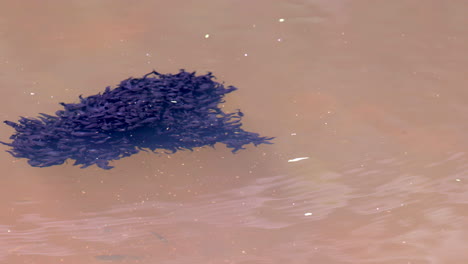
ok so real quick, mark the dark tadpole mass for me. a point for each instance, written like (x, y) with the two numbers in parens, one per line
(158, 111)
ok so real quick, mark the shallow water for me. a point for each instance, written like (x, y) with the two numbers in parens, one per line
(372, 92)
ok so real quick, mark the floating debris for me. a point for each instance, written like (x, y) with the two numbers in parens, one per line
(298, 159)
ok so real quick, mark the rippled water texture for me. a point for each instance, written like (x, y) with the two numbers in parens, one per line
(367, 100)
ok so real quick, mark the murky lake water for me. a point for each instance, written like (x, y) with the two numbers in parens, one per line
(374, 93)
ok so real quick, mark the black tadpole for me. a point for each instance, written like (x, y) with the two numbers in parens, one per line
(158, 111)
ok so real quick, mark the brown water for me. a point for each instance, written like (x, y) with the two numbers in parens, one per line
(373, 92)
